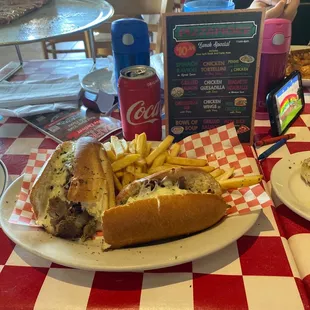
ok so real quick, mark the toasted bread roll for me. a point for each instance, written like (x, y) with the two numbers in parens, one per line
(161, 218)
(73, 189)
(168, 204)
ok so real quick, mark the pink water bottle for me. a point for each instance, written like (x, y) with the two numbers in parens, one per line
(275, 51)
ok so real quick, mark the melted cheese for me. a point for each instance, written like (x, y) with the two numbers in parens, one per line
(58, 179)
(159, 191)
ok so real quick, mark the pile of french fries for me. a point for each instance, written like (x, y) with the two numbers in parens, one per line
(138, 158)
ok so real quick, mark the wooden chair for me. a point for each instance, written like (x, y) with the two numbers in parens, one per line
(49, 46)
(151, 11)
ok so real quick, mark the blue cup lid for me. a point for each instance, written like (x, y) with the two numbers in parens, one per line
(130, 35)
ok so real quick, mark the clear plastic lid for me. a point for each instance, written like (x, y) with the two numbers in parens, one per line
(208, 5)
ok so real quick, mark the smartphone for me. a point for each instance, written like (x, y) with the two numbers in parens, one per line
(285, 103)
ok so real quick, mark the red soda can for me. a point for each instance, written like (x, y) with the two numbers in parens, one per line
(140, 104)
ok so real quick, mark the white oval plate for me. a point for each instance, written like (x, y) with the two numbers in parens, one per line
(90, 257)
(4, 177)
(98, 80)
(289, 186)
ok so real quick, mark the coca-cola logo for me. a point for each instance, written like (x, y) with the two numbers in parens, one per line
(139, 113)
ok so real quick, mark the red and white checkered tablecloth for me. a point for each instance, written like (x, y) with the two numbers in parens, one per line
(294, 228)
(258, 271)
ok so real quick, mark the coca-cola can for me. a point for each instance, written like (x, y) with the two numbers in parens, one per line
(140, 104)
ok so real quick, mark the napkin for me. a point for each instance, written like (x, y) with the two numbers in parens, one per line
(29, 110)
(28, 94)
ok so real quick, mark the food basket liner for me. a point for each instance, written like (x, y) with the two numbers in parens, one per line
(220, 146)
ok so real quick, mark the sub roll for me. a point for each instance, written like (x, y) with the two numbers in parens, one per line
(73, 190)
(168, 204)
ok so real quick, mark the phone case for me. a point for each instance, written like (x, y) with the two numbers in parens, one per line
(272, 105)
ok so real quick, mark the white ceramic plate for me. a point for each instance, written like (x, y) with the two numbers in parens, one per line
(305, 82)
(4, 177)
(289, 186)
(89, 255)
(98, 80)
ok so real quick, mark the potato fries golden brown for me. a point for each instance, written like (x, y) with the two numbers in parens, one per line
(140, 158)
(217, 172)
(117, 183)
(109, 150)
(158, 169)
(127, 178)
(175, 149)
(130, 169)
(148, 149)
(124, 162)
(132, 147)
(244, 181)
(162, 147)
(141, 145)
(226, 175)
(208, 168)
(140, 175)
(159, 160)
(182, 161)
(119, 174)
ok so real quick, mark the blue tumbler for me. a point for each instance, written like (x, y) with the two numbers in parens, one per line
(130, 44)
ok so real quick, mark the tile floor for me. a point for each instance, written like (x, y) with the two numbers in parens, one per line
(34, 51)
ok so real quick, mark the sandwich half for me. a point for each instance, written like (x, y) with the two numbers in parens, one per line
(73, 190)
(168, 204)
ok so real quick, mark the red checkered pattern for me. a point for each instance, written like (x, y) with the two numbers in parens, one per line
(258, 271)
(295, 228)
(22, 213)
(223, 149)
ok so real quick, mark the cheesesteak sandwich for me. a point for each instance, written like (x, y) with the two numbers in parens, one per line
(73, 190)
(168, 204)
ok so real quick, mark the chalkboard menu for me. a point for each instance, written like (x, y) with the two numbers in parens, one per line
(211, 71)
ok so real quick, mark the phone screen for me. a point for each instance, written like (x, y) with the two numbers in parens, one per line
(288, 102)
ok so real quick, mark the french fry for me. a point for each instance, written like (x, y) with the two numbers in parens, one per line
(205, 168)
(121, 163)
(138, 169)
(159, 160)
(162, 147)
(238, 182)
(109, 150)
(119, 174)
(208, 168)
(140, 175)
(141, 146)
(117, 147)
(130, 169)
(217, 172)
(158, 169)
(117, 183)
(148, 148)
(170, 165)
(175, 149)
(127, 178)
(226, 175)
(182, 161)
(132, 147)
(124, 145)
(141, 162)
